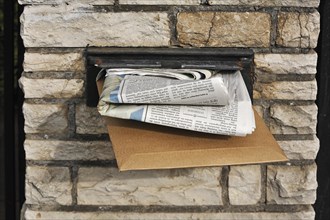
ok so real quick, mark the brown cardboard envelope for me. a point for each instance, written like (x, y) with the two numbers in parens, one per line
(140, 146)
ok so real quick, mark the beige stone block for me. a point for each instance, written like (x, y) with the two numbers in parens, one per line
(179, 187)
(51, 88)
(224, 29)
(293, 119)
(68, 150)
(89, 120)
(244, 185)
(48, 185)
(294, 3)
(57, 215)
(70, 26)
(42, 118)
(256, 94)
(301, 149)
(286, 63)
(291, 184)
(298, 29)
(157, 2)
(34, 62)
(260, 110)
(194, 28)
(288, 90)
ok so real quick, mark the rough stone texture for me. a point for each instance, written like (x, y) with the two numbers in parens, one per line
(79, 23)
(58, 2)
(51, 88)
(259, 109)
(48, 185)
(42, 118)
(194, 28)
(157, 2)
(224, 29)
(69, 26)
(293, 119)
(256, 93)
(34, 62)
(298, 29)
(287, 90)
(286, 63)
(295, 3)
(67, 150)
(291, 184)
(89, 121)
(42, 215)
(108, 186)
(302, 149)
(244, 185)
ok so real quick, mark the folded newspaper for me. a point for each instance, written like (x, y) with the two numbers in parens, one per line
(197, 100)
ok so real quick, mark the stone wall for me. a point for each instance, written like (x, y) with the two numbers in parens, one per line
(71, 173)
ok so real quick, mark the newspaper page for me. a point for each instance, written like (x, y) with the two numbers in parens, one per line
(159, 90)
(236, 118)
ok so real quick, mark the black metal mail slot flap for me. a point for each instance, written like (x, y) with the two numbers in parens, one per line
(217, 59)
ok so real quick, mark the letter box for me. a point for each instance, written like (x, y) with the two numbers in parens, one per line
(139, 146)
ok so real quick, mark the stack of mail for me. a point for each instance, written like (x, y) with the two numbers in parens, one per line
(197, 100)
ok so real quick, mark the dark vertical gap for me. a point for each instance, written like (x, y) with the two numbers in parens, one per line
(72, 119)
(74, 181)
(20, 135)
(273, 30)
(9, 98)
(224, 185)
(172, 15)
(2, 126)
(13, 133)
(92, 95)
(263, 197)
(322, 205)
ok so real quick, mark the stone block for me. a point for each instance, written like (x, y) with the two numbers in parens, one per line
(256, 93)
(286, 63)
(259, 109)
(224, 29)
(179, 187)
(89, 121)
(155, 2)
(288, 90)
(298, 29)
(42, 118)
(300, 149)
(69, 26)
(48, 185)
(285, 3)
(47, 62)
(291, 184)
(51, 88)
(293, 119)
(58, 215)
(68, 150)
(244, 185)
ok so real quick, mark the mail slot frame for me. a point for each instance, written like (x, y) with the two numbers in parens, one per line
(221, 59)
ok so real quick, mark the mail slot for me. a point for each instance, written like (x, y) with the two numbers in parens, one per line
(225, 60)
(139, 146)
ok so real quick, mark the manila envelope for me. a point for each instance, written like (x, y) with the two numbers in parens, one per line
(140, 146)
